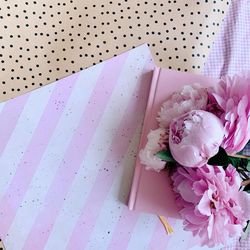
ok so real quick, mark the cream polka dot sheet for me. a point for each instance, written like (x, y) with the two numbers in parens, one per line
(42, 41)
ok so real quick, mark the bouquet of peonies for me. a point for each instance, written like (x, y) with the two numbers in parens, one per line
(200, 138)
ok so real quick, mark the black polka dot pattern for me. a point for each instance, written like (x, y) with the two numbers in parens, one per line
(2, 247)
(42, 41)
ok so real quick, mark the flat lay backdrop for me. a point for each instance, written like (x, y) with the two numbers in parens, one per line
(68, 149)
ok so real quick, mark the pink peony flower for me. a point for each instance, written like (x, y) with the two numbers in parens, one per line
(213, 106)
(233, 96)
(195, 137)
(210, 202)
(189, 98)
(157, 140)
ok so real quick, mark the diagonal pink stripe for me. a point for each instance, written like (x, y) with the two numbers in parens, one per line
(160, 239)
(75, 153)
(123, 230)
(20, 183)
(105, 179)
(9, 117)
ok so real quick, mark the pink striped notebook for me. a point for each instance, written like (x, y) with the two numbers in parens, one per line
(64, 151)
(151, 191)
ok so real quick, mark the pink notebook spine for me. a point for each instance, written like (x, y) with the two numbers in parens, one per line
(137, 173)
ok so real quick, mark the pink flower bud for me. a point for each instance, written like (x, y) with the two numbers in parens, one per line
(195, 137)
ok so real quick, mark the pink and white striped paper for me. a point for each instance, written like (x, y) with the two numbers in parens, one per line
(64, 151)
(67, 154)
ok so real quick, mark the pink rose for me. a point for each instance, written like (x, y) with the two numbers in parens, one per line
(195, 137)
(233, 96)
(191, 97)
(210, 202)
(157, 140)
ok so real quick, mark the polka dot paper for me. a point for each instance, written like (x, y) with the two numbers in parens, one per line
(42, 41)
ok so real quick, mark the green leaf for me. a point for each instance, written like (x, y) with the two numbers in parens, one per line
(234, 161)
(248, 166)
(239, 163)
(220, 159)
(165, 155)
(240, 152)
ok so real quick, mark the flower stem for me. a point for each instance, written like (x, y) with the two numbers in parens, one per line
(240, 156)
(245, 183)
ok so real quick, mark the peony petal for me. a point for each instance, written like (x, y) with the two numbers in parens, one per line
(200, 187)
(195, 137)
(233, 95)
(244, 199)
(189, 173)
(186, 192)
(191, 97)
(234, 230)
(191, 217)
(153, 145)
(220, 101)
(219, 213)
(150, 161)
(204, 204)
(210, 226)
